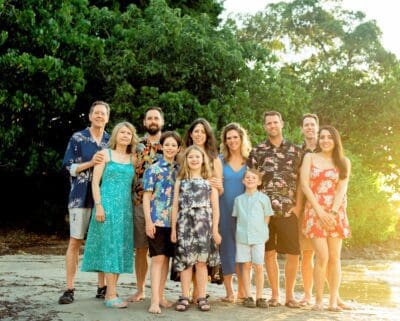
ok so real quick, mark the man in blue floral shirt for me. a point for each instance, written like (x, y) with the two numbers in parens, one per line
(279, 160)
(81, 155)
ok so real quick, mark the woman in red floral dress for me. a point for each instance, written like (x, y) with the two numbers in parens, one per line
(324, 180)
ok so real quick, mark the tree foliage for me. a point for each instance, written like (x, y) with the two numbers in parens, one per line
(57, 57)
(352, 83)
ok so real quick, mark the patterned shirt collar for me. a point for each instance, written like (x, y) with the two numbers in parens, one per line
(283, 144)
(308, 150)
(163, 163)
(145, 140)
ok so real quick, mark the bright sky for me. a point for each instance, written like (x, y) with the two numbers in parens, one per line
(385, 12)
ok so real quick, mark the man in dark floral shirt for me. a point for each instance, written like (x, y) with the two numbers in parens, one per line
(148, 151)
(279, 160)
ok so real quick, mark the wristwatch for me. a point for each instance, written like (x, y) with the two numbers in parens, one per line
(334, 212)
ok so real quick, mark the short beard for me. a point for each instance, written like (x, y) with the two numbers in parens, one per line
(153, 131)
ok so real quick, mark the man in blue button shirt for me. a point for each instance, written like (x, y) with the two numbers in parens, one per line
(81, 155)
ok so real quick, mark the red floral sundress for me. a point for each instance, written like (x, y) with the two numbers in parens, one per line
(323, 183)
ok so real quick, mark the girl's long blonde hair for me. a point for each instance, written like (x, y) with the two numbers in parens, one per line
(185, 172)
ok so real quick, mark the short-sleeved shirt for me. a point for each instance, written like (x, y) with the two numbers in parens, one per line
(250, 211)
(160, 179)
(305, 150)
(80, 149)
(147, 153)
(280, 168)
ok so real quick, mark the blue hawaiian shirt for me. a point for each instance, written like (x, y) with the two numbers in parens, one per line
(81, 148)
(160, 179)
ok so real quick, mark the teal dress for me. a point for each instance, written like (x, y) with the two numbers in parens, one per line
(109, 245)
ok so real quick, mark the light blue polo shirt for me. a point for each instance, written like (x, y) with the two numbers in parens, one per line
(250, 211)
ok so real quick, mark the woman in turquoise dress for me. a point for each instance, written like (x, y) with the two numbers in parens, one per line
(109, 245)
(235, 147)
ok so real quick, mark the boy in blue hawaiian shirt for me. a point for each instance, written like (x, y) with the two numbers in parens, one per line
(158, 186)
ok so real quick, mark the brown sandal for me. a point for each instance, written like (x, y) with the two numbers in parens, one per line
(261, 303)
(182, 304)
(273, 303)
(203, 305)
(293, 304)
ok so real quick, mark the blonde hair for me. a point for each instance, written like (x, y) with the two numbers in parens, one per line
(113, 139)
(253, 171)
(185, 172)
(245, 145)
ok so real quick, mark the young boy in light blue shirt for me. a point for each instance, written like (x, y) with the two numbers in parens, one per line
(252, 210)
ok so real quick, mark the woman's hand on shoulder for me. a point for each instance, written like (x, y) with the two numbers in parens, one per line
(216, 183)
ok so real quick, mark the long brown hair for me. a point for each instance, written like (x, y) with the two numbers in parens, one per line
(339, 159)
(210, 146)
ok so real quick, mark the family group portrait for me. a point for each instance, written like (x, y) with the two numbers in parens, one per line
(199, 159)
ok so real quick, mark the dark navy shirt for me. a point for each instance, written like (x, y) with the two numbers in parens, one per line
(81, 148)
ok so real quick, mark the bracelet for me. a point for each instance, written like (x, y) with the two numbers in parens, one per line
(97, 203)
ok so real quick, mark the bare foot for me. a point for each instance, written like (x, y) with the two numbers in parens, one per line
(228, 299)
(344, 305)
(165, 303)
(138, 296)
(154, 308)
(305, 301)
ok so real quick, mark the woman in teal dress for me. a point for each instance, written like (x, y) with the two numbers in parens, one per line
(109, 245)
(235, 147)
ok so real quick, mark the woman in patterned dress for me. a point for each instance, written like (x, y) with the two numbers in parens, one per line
(194, 226)
(109, 245)
(324, 180)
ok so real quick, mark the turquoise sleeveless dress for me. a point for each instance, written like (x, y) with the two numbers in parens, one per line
(109, 245)
(233, 187)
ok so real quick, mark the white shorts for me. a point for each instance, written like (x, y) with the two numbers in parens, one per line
(79, 219)
(250, 253)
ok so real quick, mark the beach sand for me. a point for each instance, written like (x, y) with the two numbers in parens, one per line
(30, 286)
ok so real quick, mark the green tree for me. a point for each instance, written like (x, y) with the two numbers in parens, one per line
(43, 47)
(352, 83)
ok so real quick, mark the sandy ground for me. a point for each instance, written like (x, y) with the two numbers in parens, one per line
(31, 284)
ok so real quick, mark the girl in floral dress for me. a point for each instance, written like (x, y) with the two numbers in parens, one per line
(324, 180)
(194, 226)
